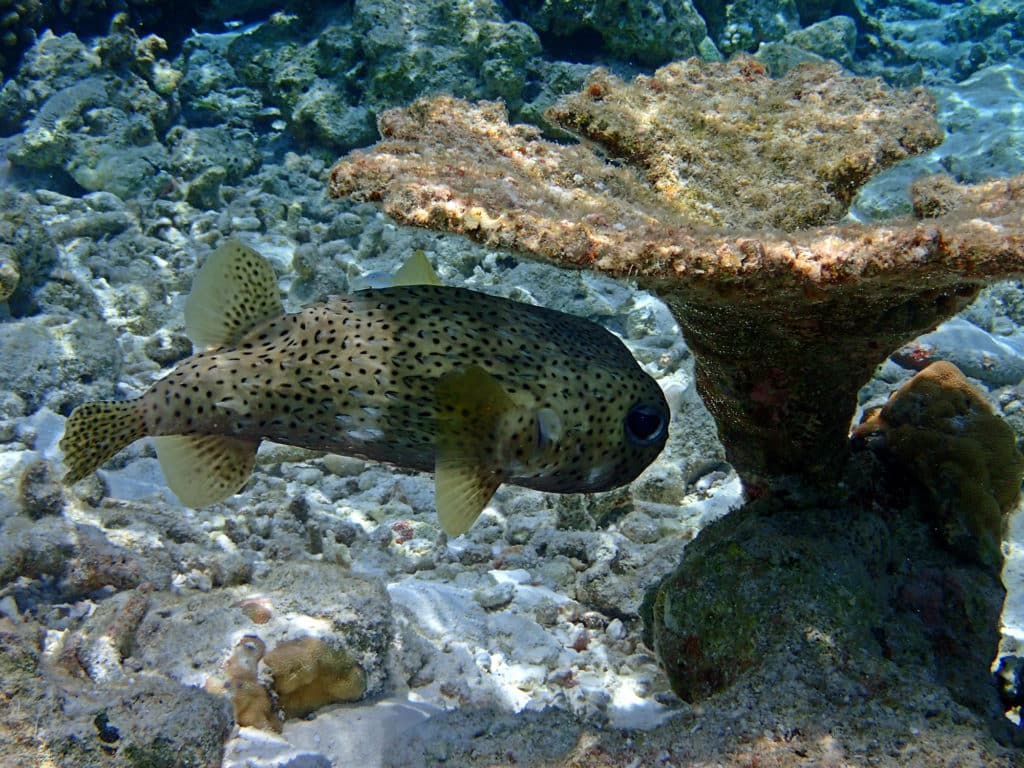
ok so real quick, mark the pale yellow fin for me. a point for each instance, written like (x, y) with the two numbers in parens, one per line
(416, 271)
(205, 469)
(461, 492)
(231, 293)
(96, 431)
(470, 405)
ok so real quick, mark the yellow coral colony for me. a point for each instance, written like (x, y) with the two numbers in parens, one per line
(250, 699)
(310, 673)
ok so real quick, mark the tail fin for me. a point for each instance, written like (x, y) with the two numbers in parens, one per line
(96, 431)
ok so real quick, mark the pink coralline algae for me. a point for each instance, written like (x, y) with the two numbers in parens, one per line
(721, 190)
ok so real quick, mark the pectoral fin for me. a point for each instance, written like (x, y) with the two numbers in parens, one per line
(205, 469)
(461, 493)
(471, 404)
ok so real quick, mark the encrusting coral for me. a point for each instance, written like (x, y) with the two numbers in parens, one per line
(785, 324)
(310, 673)
(942, 430)
(250, 698)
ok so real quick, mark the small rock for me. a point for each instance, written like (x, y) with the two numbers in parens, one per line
(495, 596)
(40, 491)
(616, 629)
(167, 349)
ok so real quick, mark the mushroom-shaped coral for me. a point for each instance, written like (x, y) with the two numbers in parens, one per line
(310, 673)
(940, 429)
(785, 324)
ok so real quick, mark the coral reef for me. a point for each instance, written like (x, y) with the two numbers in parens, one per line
(310, 673)
(942, 431)
(785, 326)
(537, 607)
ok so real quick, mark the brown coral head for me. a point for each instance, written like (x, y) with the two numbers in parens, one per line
(941, 430)
(311, 672)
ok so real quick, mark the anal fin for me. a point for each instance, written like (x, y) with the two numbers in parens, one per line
(205, 469)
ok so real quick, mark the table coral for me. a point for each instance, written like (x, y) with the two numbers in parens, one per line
(943, 431)
(725, 206)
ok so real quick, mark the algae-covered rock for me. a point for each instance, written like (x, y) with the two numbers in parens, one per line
(99, 128)
(35, 549)
(211, 92)
(9, 275)
(27, 251)
(79, 360)
(40, 491)
(432, 47)
(197, 150)
(836, 596)
(741, 25)
(647, 31)
(330, 83)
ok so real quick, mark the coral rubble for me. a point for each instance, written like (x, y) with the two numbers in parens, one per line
(785, 324)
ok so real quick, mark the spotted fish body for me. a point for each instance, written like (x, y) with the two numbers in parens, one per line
(479, 389)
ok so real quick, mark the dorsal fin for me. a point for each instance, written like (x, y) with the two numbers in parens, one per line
(233, 291)
(466, 472)
(416, 271)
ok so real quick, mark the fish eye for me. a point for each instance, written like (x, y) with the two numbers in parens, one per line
(645, 424)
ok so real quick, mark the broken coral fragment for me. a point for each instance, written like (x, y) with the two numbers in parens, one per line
(310, 673)
(785, 325)
(942, 431)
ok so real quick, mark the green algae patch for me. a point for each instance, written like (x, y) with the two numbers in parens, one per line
(847, 599)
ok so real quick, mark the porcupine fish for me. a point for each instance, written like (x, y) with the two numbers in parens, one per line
(479, 389)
